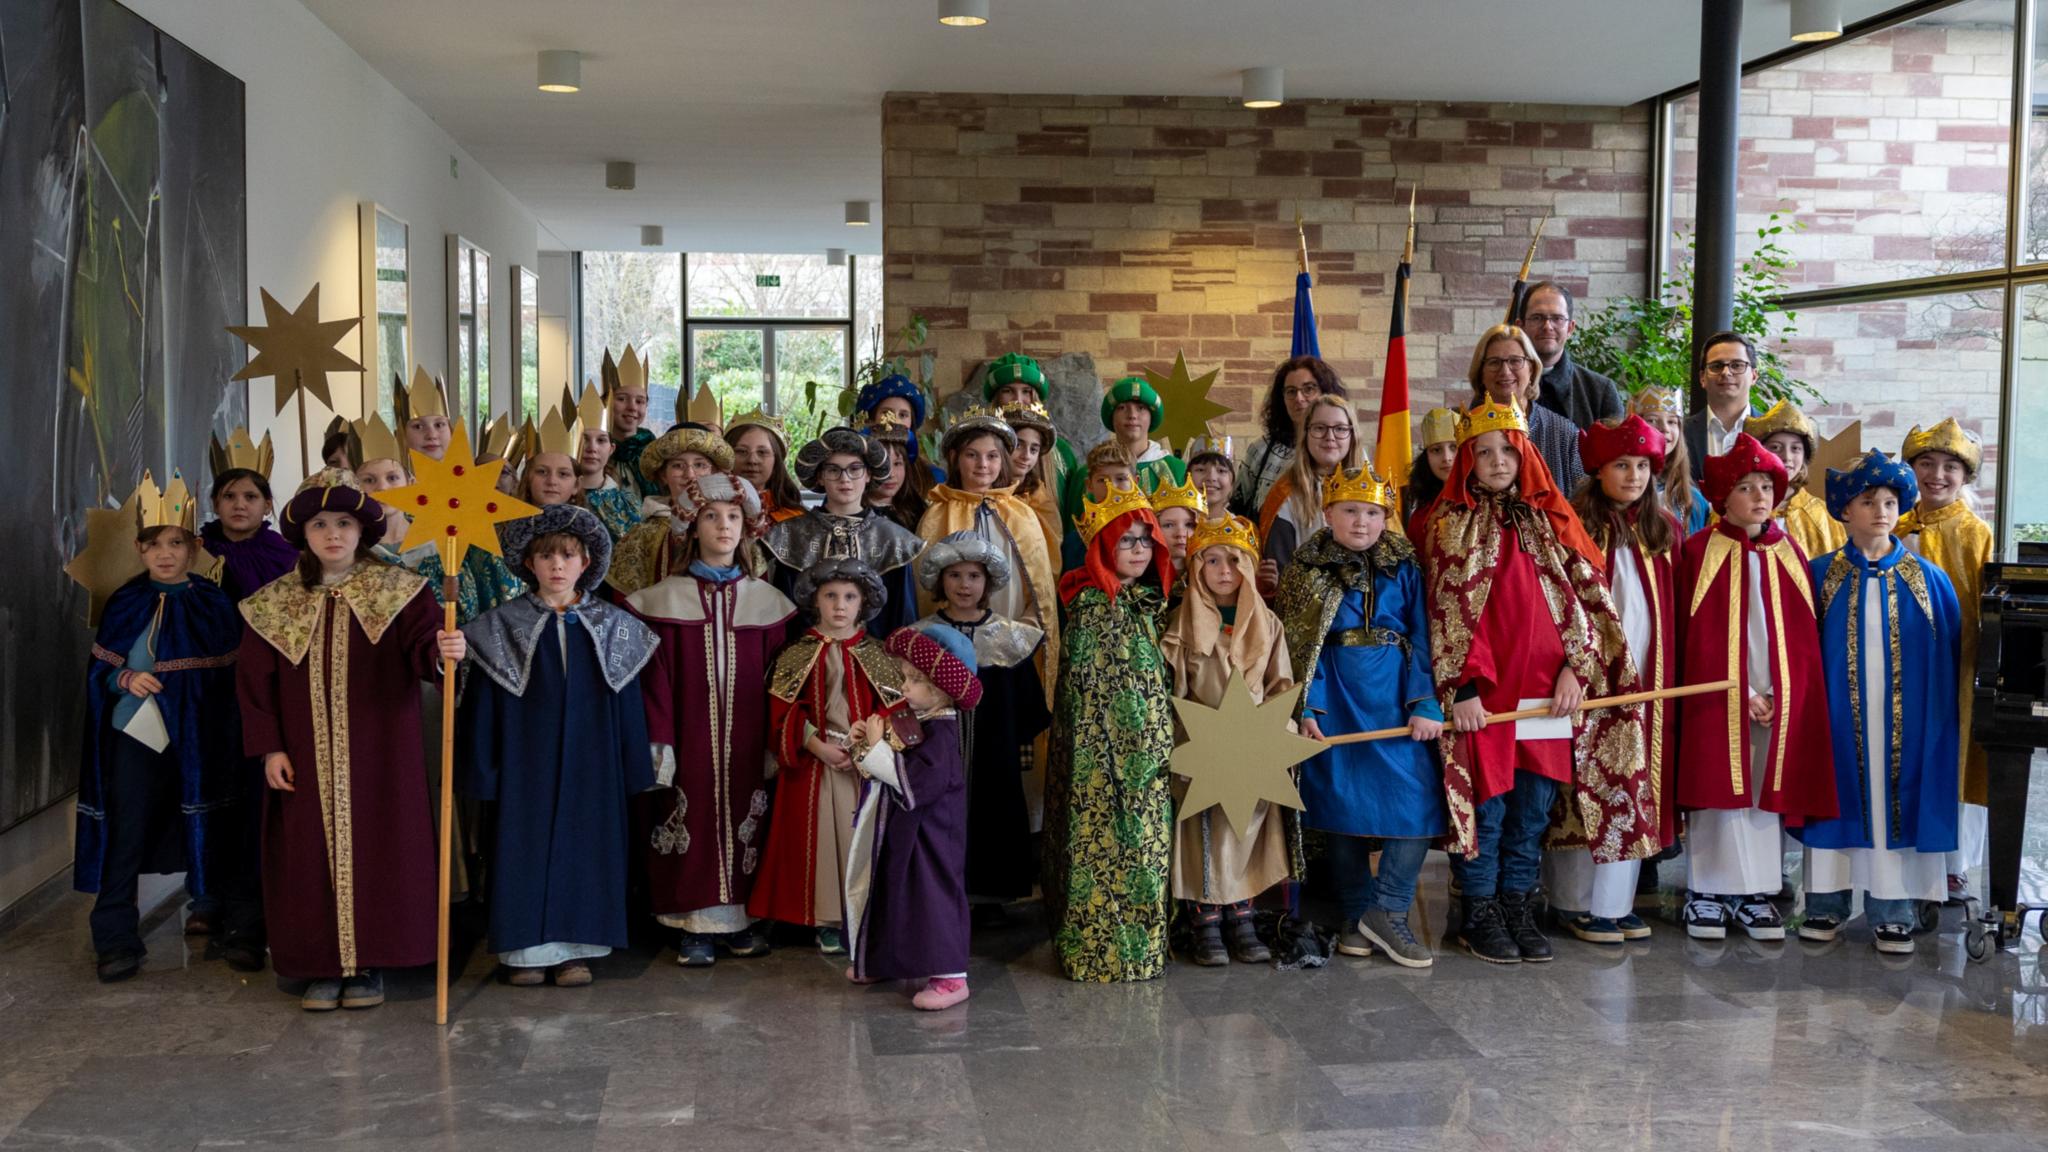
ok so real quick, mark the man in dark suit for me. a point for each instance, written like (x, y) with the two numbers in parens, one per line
(1726, 370)
(1576, 393)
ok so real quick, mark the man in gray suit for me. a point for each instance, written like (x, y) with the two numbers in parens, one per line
(1726, 370)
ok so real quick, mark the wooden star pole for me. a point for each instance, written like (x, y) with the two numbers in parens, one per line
(297, 348)
(455, 504)
(1492, 718)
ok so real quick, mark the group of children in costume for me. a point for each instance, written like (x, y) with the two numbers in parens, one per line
(688, 690)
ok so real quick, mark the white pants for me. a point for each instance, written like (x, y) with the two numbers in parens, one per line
(1972, 834)
(1577, 884)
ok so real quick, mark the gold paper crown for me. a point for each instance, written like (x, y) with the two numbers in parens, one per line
(1361, 485)
(372, 439)
(522, 447)
(496, 439)
(1235, 531)
(426, 396)
(1439, 426)
(1183, 495)
(1947, 436)
(171, 508)
(1120, 499)
(632, 370)
(554, 435)
(241, 452)
(1657, 401)
(1783, 417)
(1491, 417)
(591, 411)
(756, 418)
(703, 408)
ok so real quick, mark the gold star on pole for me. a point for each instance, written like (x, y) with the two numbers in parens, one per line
(109, 558)
(1188, 407)
(297, 347)
(454, 502)
(1239, 754)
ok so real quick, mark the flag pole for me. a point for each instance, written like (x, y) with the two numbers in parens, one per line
(1522, 277)
(1408, 251)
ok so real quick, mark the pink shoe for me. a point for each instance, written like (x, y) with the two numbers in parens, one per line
(940, 993)
(856, 978)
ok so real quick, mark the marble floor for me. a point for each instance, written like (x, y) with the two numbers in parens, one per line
(1664, 1045)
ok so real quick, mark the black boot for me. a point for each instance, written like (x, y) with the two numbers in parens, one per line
(1519, 908)
(1208, 946)
(1243, 937)
(1485, 933)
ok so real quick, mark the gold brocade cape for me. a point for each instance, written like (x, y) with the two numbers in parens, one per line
(1612, 806)
(794, 663)
(1313, 587)
(285, 612)
(1955, 540)
(950, 510)
(1808, 524)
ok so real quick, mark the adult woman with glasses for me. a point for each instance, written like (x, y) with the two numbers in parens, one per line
(1504, 370)
(1293, 510)
(1296, 384)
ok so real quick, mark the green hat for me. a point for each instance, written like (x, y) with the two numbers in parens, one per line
(1012, 368)
(1128, 389)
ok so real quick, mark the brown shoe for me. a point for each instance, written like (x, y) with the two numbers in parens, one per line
(526, 977)
(574, 974)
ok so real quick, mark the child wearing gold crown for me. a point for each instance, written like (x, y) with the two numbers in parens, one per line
(1108, 805)
(1790, 435)
(157, 783)
(1945, 531)
(1430, 468)
(1223, 628)
(1358, 631)
(624, 385)
(1664, 409)
(1520, 617)
(616, 508)
(1180, 508)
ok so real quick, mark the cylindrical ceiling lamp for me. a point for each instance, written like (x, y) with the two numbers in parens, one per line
(859, 213)
(561, 70)
(620, 175)
(1263, 88)
(963, 13)
(836, 257)
(1816, 20)
(650, 235)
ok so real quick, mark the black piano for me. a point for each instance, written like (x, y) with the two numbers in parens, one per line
(2010, 720)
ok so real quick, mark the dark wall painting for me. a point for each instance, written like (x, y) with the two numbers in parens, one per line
(122, 260)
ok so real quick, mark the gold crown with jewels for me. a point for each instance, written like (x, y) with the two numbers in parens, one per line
(1235, 531)
(1119, 500)
(1361, 485)
(1491, 417)
(172, 507)
(1182, 495)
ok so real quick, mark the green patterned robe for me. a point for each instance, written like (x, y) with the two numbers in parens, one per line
(1108, 805)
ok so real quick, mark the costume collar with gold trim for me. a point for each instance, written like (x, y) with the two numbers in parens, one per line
(284, 612)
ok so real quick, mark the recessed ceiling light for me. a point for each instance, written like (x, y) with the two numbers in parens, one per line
(620, 175)
(1816, 20)
(561, 71)
(963, 13)
(859, 213)
(1262, 88)
(650, 235)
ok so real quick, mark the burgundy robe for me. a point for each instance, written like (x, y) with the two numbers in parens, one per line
(1516, 655)
(1714, 770)
(330, 677)
(906, 888)
(707, 698)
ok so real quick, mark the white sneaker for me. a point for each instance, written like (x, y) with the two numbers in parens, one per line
(1706, 918)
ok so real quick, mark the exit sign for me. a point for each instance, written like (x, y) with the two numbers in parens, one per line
(767, 281)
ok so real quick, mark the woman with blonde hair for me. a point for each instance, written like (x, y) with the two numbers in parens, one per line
(1506, 370)
(1293, 509)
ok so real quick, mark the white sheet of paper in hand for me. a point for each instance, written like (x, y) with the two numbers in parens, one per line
(147, 726)
(1541, 727)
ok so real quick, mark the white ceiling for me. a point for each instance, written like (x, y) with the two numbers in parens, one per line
(753, 121)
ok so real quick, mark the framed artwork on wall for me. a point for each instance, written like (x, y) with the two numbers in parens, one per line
(386, 305)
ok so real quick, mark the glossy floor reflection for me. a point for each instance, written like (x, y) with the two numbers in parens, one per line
(1663, 1045)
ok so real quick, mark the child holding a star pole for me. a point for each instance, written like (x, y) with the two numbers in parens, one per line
(1358, 631)
(1221, 629)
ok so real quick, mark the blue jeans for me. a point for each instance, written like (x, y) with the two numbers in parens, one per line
(1358, 889)
(1875, 911)
(1509, 855)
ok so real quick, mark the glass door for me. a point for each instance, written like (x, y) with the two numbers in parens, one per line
(732, 362)
(795, 371)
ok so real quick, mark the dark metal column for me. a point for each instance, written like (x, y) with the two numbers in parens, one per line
(1713, 295)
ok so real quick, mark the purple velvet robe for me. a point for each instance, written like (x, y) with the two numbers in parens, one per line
(906, 888)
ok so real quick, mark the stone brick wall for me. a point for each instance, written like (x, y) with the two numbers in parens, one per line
(1129, 228)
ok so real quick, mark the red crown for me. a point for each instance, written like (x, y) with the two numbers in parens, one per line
(1600, 445)
(1744, 456)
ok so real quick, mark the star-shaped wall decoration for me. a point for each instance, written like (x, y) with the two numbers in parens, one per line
(297, 347)
(1188, 407)
(454, 502)
(1239, 754)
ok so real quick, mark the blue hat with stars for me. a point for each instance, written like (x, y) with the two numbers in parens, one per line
(1875, 470)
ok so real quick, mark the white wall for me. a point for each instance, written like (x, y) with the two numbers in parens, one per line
(326, 132)
(557, 307)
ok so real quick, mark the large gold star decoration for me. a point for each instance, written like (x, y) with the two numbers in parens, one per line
(1239, 754)
(454, 502)
(1188, 407)
(109, 558)
(1841, 450)
(297, 347)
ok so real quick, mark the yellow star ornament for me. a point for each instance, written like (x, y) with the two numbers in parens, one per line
(109, 558)
(1239, 754)
(297, 347)
(1187, 403)
(454, 502)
